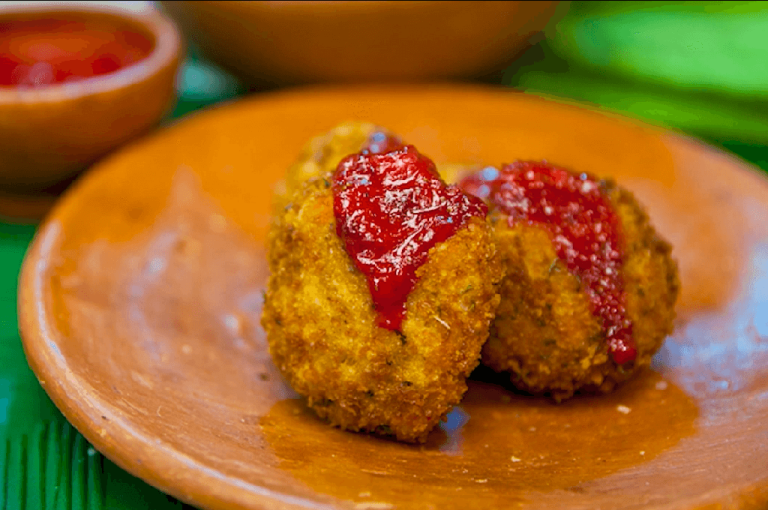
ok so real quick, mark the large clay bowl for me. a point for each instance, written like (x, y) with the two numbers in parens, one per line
(140, 301)
(48, 134)
(277, 43)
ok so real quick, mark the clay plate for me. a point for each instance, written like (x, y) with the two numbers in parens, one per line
(140, 300)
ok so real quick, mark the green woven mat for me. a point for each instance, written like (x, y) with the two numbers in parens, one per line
(700, 68)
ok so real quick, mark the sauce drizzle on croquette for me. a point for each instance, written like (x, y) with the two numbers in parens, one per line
(390, 210)
(585, 229)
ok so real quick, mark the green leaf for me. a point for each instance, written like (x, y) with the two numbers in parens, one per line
(706, 46)
(711, 116)
(54, 468)
(692, 113)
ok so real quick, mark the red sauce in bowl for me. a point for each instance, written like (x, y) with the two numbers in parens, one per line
(36, 53)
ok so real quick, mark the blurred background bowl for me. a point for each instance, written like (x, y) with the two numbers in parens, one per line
(50, 133)
(282, 43)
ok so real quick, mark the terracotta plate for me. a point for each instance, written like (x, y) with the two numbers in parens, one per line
(140, 302)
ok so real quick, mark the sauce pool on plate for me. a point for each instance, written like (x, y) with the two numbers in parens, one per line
(41, 52)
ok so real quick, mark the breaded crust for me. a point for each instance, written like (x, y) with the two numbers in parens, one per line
(322, 327)
(321, 155)
(545, 334)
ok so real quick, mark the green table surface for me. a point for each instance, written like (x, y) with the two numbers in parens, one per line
(699, 68)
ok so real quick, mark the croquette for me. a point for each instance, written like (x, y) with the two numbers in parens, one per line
(324, 330)
(546, 333)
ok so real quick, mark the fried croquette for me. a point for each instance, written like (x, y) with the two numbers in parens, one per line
(324, 331)
(547, 333)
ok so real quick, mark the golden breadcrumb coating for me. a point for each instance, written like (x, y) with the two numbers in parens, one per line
(545, 334)
(322, 326)
(320, 156)
(452, 173)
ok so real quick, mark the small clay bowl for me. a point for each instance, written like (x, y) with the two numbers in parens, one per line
(279, 43)
(50, 133)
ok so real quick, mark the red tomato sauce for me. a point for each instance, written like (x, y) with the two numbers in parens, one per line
(585, 229)
(36, 53)
(391, 209)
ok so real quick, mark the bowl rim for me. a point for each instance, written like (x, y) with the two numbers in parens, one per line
(167, 47)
